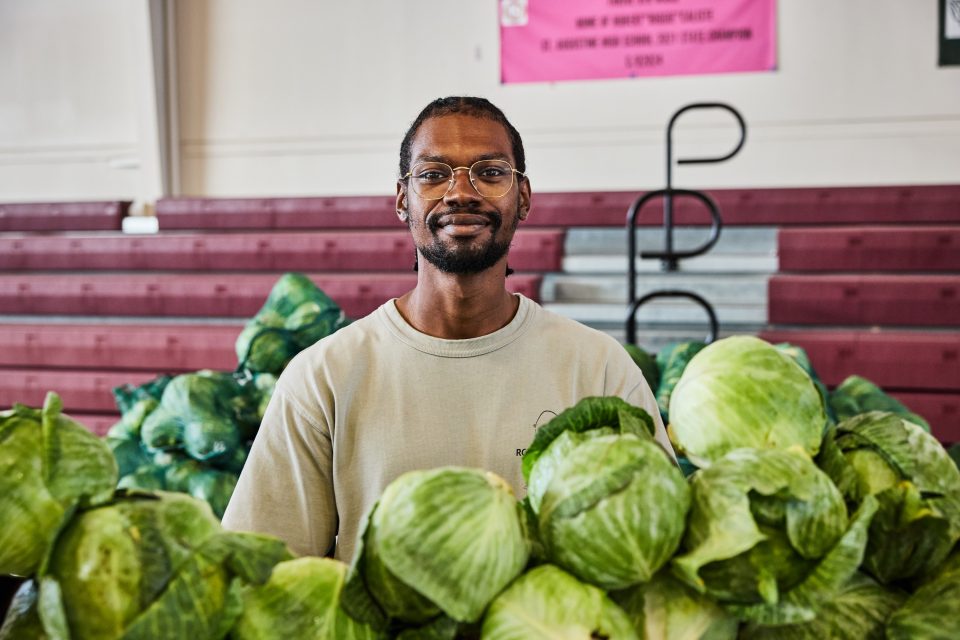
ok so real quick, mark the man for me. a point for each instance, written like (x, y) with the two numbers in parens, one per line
(458, 371)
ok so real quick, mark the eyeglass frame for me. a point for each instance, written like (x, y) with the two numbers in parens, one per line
(453, 177)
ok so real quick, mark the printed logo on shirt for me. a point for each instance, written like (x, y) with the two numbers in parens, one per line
(545, 416)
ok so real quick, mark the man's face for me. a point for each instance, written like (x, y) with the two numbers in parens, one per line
(463, 232)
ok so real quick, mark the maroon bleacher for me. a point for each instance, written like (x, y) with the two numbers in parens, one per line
(82, 392)
(129, 307)
(880, 301)
(941, 410)
(191, 295)
(880, 356)
(865, 299)
(63, 216)
(141, 347)
(929, 204)
(532, 250)
(894, 248)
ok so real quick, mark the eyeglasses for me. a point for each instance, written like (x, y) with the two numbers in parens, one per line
(491, 178)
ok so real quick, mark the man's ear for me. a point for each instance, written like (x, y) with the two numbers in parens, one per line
(402, 202)
(525, 197)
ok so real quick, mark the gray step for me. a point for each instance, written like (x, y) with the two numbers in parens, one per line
(653, 336)
(708, 264)
(663, 312)
(727, 289)
(606, 241)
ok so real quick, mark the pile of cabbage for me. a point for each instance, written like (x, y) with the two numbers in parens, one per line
(102, 562)
(191, 433)
(789, 525)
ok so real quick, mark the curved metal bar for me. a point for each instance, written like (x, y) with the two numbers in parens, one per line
(631, 328)
(668, 257)
(704, 105)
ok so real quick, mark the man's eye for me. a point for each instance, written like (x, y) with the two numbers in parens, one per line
(432, 175)
(492, 173)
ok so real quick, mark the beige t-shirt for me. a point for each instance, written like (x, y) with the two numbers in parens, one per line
(379, 398)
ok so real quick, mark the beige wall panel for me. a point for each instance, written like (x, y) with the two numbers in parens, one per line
(68, 100)
(311, 97)
(305, 97)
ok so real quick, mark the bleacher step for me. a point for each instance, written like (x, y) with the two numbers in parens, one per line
(865, 299)
(193, 295)
(732, 289)
(878, 249)
(738, 240)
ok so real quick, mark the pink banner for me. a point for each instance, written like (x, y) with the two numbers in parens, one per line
(548, 40)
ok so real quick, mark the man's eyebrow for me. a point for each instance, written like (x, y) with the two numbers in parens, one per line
(445, 160)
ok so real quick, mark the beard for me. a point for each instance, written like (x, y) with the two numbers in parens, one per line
(463, 258)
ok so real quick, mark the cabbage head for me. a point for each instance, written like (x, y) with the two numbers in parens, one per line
(915, 482)
(856, 395)
(769, 537)
(666, 609)
(300, 600)
(612, 413)
(442, 541)
(213, 486)
(672, 360)
(858, 612)
(150, 566)
(742, 392)
(51, 465)
(295, 315)
(647, 364)
(202, 413)
(933, 611)
(547, 603)
(610, 508)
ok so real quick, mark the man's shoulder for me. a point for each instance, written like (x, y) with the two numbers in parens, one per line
(558, 326)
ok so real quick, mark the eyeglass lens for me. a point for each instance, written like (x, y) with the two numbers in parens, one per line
(491, 178)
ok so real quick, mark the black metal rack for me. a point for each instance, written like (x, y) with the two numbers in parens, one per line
(669, 257)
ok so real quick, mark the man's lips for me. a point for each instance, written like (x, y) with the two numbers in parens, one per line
(462, 223)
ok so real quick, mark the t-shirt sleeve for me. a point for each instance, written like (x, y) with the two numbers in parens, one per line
(286, 486)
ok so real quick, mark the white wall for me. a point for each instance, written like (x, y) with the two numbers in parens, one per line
(311, 98)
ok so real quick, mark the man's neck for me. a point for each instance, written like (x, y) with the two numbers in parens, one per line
(457, 307)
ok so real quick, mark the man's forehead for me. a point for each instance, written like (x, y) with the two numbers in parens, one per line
(481, 138)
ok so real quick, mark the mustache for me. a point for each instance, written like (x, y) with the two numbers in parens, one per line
(433, 220)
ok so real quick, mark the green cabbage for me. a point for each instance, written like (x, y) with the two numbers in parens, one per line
(445, 540)
(858, 612)
(933, 611)
(666, 609)
(801, 358)
(128, 428)
(150, 566)
(647, 364)
(742, 392)
(768, 535)
(295, 315)
(547, 603)
(129, 454)
(300, 600)
(913, 479)
(610, 508)
(589, 413)
(215, 487)
(51, 465)
(672, 360)
(857, 395)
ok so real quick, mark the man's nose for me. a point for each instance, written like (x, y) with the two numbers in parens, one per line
(461, 188)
